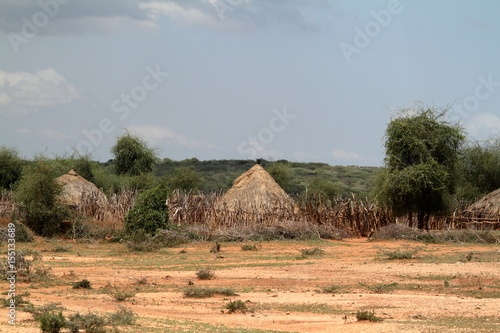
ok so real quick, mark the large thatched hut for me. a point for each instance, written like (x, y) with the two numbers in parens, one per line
(76, 188)
(255, 191)
(486, 207)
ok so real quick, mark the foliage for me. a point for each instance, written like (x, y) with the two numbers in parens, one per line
(37, 195)
(184, 178)
(23, 260)
(479, 169)
(421, 160)
(311, 251)
(281, 172)
(235, 306)
(22, 233)
(203, 292)
(83, 284)
(205, 274)
(132, 155)
(150, 213)
(122, 295)
(322, 188)
(51, 322)
(90, 323)
(367, 315)
(122, 316)
(249, 247)
(10, 167)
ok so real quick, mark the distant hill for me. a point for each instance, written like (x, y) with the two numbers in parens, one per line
(218, 175)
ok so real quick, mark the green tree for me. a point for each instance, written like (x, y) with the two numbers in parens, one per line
(479, 169)
(281, 171)
(322, 188)
(37, 195)
(422, 151)
(133, 156)
(150, 212)
(184, 178)
(10, 167)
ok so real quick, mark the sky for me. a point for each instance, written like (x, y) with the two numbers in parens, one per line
(305, 81)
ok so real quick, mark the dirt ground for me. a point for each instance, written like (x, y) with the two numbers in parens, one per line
(443, 288)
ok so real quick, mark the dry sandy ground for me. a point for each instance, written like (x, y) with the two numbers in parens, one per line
(284, 290)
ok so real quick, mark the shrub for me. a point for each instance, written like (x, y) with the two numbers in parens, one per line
(22, 233)
(123, 316)
(23, 261)
(140, 241)
(367, 315)
(400, 254)
(150, 213)
(90, 323)
(122, 295)
(249, 247)
(235, 306)
(205, 274)
(10, 167)
(51, 322)
(311, 251)
(200, 292)
(331, 289)
(83, 284)
(37, 195)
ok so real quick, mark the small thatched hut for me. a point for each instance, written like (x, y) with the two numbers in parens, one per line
(486, 207)
(256, 191)
(75, 187)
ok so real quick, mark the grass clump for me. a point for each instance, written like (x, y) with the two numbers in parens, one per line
(200, 292)
(367, 315)
(122, 316)
(235, 306)
(90, 323)
(83, 284)
(332, 289)
(383, 287)
(249, 247)
(122, 295)
(400, 254)
(61, 248)
(311, 251)
(205, 274)
(51, 322)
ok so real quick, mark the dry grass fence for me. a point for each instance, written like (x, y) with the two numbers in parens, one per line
(354, 216)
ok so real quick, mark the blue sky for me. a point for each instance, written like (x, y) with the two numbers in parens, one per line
(306, 81)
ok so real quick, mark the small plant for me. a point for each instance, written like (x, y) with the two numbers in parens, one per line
(383, 287)
(400, 254)
(142, 281)
(61, 248)
(331, 289)
(90, 322)
(51, 322)
(205, 274)
(123, 316)
(122, 295)
(367, 315)
(235, 306)
(200, 292)
(249, 247)
(83, 284)
(469, 256)
(446, 284)
(17, 300)
(38, 310)
(311, 251)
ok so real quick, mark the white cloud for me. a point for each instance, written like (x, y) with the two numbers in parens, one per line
(482, 125)
(345, 155)
(159, 134)
(23, 92)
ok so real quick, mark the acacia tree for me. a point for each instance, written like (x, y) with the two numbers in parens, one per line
(133, 156)
(422, 151)
(10, 167)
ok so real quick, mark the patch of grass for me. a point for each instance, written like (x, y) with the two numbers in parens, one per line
(122, 295)
(318, 308)
(202, 292)
(90, 323)
(311, 251)
(249, 247)
(18, 300)
(205, 274)
(235, 306)
(332, 289)
(382, 287)
(61, 248)
(368, 315)
(122, 316)
(400, 254)
(83, 284)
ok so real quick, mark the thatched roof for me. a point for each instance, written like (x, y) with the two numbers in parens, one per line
(487, 207)
(75, 187)
(256, 191)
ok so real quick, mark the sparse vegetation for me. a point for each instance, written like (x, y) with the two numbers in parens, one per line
(249, 247)
(367, 315)
(202, 292)
(205, 274)
(83, 284)
(122, 295)
(235, 306)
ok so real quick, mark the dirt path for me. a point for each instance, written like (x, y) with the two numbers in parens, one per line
(439, 290)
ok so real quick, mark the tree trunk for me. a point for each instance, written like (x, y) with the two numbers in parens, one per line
(410, 219)
(421, 219)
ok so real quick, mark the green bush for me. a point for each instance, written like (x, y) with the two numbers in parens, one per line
(90, 323)
(235, 306)
(83, 284)
(22, 233)
(37, 195)
(51, 322)
(150, 213)
(10, 167)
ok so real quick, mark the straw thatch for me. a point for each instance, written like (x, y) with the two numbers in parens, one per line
(487, 207)
(75, 188)
(256, 190)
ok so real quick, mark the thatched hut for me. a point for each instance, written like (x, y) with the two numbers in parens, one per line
(255, 191)
(75, 188)
(486, 207)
